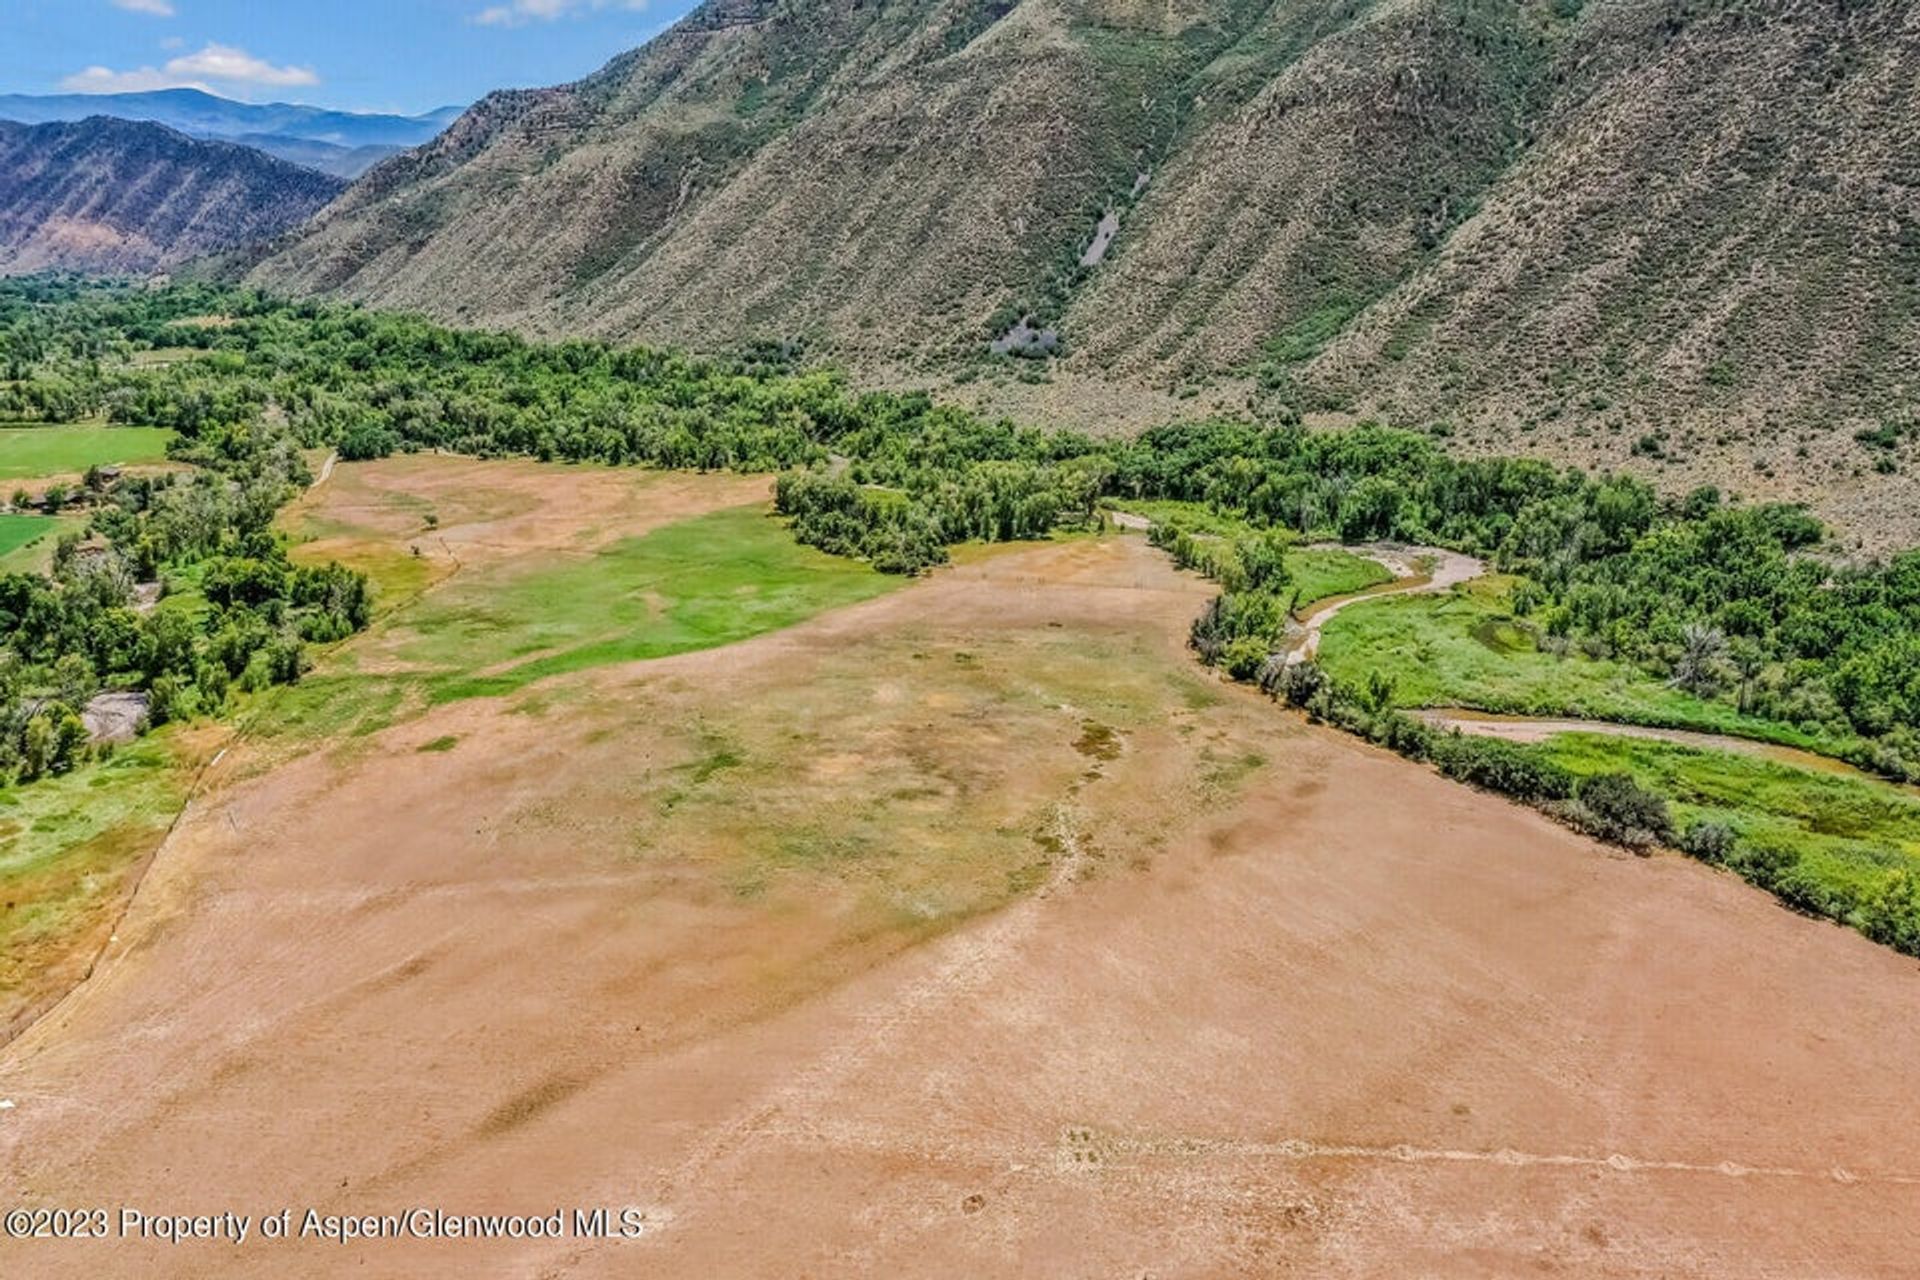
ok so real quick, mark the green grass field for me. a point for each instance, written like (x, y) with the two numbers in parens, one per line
(1465, 649)
(67, 845)
(31, 453)
(27, 542)
(20, 531)
(711, 580)
(1844, 834)
(1322, 572)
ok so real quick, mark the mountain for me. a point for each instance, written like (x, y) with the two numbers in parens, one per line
(327, 157)
(340, 142)
(117, 196)
(1677, 236)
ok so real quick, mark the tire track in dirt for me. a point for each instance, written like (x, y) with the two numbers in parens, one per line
(965, 963)
(195, 789)
(964, 967)
(1084, 1150)
(1084, 1146)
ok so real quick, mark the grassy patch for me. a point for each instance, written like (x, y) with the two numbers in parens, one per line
(1196, 517)
(396, 575)
(711, 580)
(28, 453)
(34, 552)
(20, 532)
(1845, 834)
(67, 846)
(1322, 572)
(333, 707)
(1466, 649)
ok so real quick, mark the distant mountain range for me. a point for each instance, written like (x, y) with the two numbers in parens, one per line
(345, 143)
(130, 197)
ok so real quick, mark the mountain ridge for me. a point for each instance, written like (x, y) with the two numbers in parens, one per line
(344, 143)
(129, 197)
(1680, 237)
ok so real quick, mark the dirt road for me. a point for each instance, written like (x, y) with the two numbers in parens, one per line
(1282, 1005)
(1416, 570)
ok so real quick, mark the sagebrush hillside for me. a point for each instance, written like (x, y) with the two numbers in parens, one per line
(119, 196)
(1677, 235)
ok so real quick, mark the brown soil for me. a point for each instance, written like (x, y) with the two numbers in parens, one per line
(472, 510)
(1228, 995)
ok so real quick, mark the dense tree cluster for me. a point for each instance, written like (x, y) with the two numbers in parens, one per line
(1729, 601)
(87, 625)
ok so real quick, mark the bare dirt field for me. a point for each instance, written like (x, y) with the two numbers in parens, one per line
(414, 519)
(971, 930)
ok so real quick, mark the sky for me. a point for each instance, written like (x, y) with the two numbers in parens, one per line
(406, 56)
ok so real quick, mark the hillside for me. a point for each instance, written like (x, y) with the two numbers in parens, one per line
(1677, 236)
(207, 115)
(327, 157)
(343, 143)
(115, 196)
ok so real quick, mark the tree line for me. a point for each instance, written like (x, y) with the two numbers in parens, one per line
(1730, 601)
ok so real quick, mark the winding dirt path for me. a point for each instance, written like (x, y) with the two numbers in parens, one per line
(1416, 570)
(1420, 570)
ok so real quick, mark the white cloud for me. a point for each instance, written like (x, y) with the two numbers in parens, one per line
(517, 13)
(158, 8)
(224, 62)
(219, 64)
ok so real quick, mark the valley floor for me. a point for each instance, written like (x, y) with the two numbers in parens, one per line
(970, 929)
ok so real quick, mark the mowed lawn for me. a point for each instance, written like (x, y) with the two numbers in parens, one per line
(31, 453)
(27, 542)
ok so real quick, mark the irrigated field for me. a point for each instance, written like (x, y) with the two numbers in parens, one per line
(51, 452)
(965, 929)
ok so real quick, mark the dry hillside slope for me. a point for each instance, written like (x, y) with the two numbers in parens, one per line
(117, 196)
(1676, 235)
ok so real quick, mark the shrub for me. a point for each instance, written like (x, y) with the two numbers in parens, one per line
(1892, 916)
(1501, 766)
(1298, 683)
(366, 441)
(1708, 841)
(1615, 807)
(1243, 657)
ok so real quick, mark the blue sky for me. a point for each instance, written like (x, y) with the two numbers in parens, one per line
(368, 55)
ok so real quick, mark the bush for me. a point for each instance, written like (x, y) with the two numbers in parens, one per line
(1501, 766)
(1892, 916)
(1615, 807)
(1299, 683)
(365, 442)
(1708, 841)
(1243, 657)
